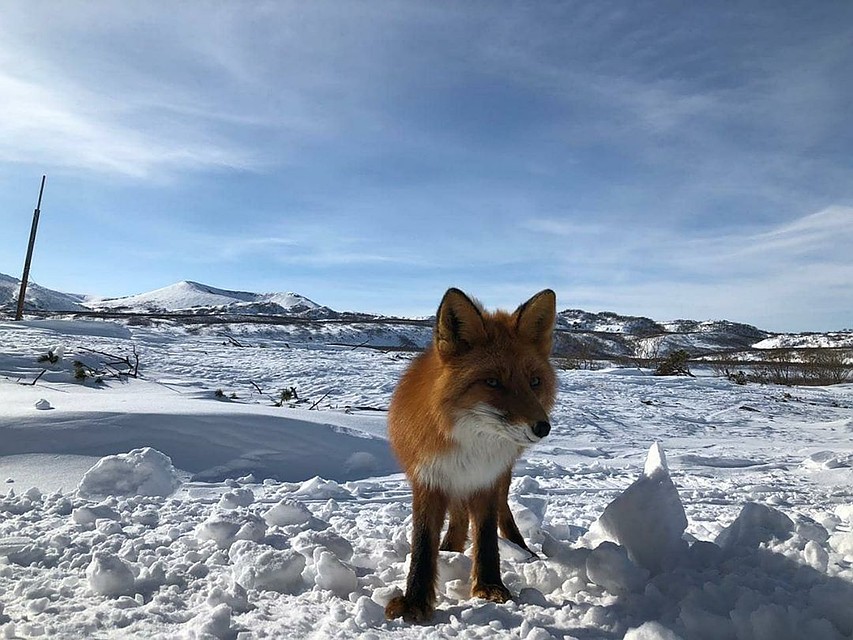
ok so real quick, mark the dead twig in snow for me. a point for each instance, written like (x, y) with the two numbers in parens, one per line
(33, 383)
(314, 406)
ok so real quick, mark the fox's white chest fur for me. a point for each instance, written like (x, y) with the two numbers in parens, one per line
(479, 457)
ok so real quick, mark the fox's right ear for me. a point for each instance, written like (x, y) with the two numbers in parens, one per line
(535, 320)
(458, 324)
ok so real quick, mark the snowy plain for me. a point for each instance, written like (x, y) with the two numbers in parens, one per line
(233, 518)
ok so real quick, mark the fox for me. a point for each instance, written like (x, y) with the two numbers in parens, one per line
(462, 413)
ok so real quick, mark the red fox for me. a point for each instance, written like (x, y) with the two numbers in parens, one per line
(461, 415)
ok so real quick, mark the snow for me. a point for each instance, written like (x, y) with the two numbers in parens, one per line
(141, 472)
(658, 508)
(37, 297)
(647, 519)
(187, 296)
(109, 575)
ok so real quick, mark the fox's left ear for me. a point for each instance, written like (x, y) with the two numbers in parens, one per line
(534, 320)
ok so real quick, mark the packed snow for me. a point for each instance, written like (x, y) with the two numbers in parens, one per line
(155, 507)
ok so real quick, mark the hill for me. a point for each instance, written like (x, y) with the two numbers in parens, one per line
(193, 297)
(38, 297)
(292, 316)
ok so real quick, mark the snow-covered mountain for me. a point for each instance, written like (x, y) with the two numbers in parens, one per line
(38, 297)
(607, 322)
(193, 297)
(580, 334)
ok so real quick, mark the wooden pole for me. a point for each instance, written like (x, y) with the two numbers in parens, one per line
(20, 312)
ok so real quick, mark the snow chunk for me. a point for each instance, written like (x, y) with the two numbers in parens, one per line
(367, 613)
(109, 575)
(648, 518)
(43, 405)
(306, 541)
(88, 514)
(651, 631)
(228, 592)
(215, 623)
(755, 524)
(655, 462)
(288, 512)
(227, 527)
(608, 566)
(828, 460)
(319, 489)
(239, 497)
(845, 512)
(332, 574)
(141, 472)
(451, 566)
(261, 567)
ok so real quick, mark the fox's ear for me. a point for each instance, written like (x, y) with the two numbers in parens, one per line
(458, 324)
(534, 320)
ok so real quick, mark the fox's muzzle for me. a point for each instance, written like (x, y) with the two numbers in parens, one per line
(541, 429)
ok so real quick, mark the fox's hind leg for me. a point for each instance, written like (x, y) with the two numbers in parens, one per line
(457, 529)
(506, 521)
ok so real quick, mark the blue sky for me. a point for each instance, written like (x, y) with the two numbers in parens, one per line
(666, 159)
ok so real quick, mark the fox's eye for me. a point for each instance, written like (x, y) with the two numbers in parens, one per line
(535, 381)
(494, 383)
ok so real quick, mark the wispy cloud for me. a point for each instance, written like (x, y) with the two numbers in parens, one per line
(73, 127)
(766, 276)
(681, 158)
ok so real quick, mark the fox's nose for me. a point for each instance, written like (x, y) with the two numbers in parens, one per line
(541, 429)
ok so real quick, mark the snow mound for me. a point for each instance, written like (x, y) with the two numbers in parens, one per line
(288, 512)
(306, 541)
(318, 488)
(239, 497)
(110, 576)
(648, 519)
(608, 566)
(332, 574)
(89, 514)
(227, 527)
(141, 472)
(828, 460)
(755, 524)
(212, 624)
(651, 631)
(258, 566)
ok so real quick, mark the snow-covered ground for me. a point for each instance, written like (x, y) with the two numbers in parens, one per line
(291, 521)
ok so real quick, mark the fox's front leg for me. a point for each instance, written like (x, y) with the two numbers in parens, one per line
(428, 510)
(486, 580)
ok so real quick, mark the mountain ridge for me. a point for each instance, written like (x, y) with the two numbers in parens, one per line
(191, 296)
(577, 331)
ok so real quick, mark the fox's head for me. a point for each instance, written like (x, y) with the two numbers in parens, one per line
(496, 372)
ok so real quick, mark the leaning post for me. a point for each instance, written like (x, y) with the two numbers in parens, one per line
(19, 314)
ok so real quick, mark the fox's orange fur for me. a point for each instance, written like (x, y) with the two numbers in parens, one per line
(461, 415)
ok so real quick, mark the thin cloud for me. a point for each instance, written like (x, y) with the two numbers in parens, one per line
(78, 129)
(412, 145)
(767, 277)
